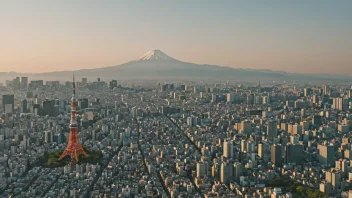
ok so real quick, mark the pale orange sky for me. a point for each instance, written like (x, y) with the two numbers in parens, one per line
(44, 36)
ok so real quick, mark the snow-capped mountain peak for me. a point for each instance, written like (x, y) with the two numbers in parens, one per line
(155, 55)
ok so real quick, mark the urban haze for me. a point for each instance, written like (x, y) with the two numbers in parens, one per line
(179, 99)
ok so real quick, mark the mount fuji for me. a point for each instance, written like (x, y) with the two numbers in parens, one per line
(156, 65)
(153, 64)
(155, 55)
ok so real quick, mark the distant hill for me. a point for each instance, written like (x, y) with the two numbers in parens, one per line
(157, 65)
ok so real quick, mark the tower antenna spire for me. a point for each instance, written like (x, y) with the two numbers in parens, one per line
(74, 85)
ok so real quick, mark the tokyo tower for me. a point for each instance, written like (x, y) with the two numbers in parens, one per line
(73, 149)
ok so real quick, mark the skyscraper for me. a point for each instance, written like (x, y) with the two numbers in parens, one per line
(325, 89)
(48, 107)
(296, 129)
(307, 91)
(326, 154)
(315, 99)
(49, 137)
(16, 83)
(276, 154)
(264, 151)
(250, 99)
(83, 103)
(230, 97)
(24, 106)
(237, 171)
(272, 129)
(334, 177)
(113, 84)
(226, 173)
(317, 120)
(337, 103)
(24, 82)
(246, 127)
(8, 103)
(201, 169)
(294, 153)
(228, 149)
(213, 97)
(73, 149)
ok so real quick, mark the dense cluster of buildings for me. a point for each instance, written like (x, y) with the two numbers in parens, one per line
(177, 139)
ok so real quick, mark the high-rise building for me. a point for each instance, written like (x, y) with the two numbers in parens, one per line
(250, 99)
(325, 187)
(74, 148)
(84, 80)
(48, 107)
(83, 103)
(24, 82)
(250, 146)
(307, 91)
(85, 121)
(201, 94)
(16, 83)
(246, 127)
(243, 145)
(8, 103)
(317, 120)
(228, 149)
(113, 84)
(294, 139)
(325, 89)
(182, 87)
(296, 129)
(237, 171)
(36, 84)
(192, 121)
(315, 99)
(264, 151)
(349, 95)
(303, 113)
(343, 166)
(134, 112)
(171, 86)
(213, 97)
(230, 97)
(326, 154)
(341, 104)
(226, 173)
(337, 104)
(49, 137)
(24, 106)
(201, 169)
(276, 154)
(294, 153)
(334, 177)
(272, 129)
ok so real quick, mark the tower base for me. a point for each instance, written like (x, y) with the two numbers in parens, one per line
(73, 153)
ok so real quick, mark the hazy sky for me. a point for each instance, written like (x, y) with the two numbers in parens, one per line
(295, 36)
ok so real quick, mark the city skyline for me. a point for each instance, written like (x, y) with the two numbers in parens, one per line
(302, 37)
(169, 99)
(174, 139)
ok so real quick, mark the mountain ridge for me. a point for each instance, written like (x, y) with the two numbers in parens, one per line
(156, 64)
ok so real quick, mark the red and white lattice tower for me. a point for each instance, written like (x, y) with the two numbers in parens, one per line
(74, 148)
